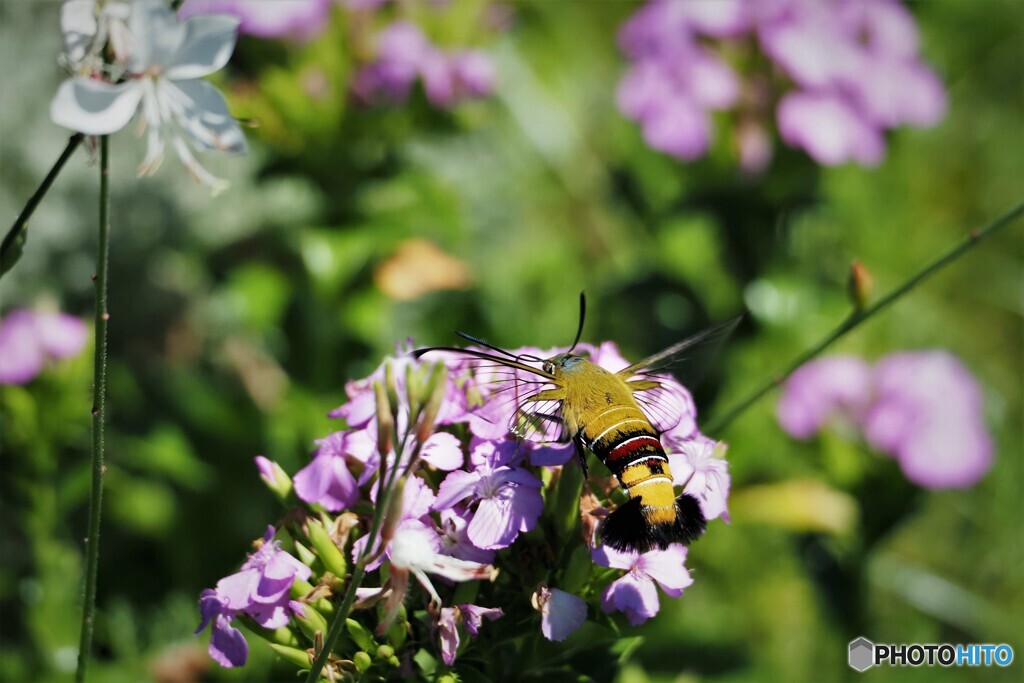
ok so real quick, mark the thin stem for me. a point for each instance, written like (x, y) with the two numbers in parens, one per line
(99, 417)
(858, 317)
(360, 569)
(14, 240)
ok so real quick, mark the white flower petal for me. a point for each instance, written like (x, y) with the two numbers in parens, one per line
(201, 112)
(94, 107)
(156, 32)
(78, 24)
(208, 43)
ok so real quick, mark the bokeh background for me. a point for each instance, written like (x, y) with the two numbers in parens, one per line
(236, 321)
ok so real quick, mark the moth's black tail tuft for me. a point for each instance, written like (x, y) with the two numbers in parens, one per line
(690, 523)
(627, 528)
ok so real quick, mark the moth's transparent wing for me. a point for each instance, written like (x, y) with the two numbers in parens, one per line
(508, 403)
(665, 398)
(539, 420)
(664, 401)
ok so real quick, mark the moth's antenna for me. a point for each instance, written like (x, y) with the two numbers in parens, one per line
(481, 342)
(583, 313)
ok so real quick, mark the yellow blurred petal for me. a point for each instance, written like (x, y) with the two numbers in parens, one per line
(797, 504)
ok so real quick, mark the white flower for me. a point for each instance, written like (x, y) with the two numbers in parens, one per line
(164, 64)
(87, 27)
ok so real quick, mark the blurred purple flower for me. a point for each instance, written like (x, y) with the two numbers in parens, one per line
(634, 594)
(405, 55)
(260, 589)
(822, 389)
(29, 338)
(327, 480)
(854, 65)
(927, 412)
(508, 499)
(448, 622)
(267, 18)
(561, 613)
(924, 408)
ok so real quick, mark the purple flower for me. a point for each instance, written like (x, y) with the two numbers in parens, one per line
(507, 497)
(328, 480)
(853, 72)
(448, 622)
(405, 55)
(28, 339)
(267, 18)
(830, 129)
(822, 389)
(561, 613)
(927, 412)
(924, 408)
(698, 466)
(260, 589)
(634, 594)
(455, 537)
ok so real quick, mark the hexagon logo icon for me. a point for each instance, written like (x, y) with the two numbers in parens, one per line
(862, 654)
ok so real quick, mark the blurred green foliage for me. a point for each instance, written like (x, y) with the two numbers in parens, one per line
(237, 320)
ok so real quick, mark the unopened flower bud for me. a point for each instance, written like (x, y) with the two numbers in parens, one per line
(362, 661)
(385, 652)
(299, 658)
(385, 422)
(435, 397)
(860, 285)
(310, 621)
(326, 549)
(276, 479)
(361, 636)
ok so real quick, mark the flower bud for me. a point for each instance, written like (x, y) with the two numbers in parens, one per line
(362, 661)
(310, 621)
(385, 424)
(399, 628)
(299, 658)
(360, 635)
(435, 397)
(276, 479)
(860, 285)
(385, 652)
(326, 549)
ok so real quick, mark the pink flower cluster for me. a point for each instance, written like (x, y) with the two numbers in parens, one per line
(851, 71)
(924, 408)
(405, 55)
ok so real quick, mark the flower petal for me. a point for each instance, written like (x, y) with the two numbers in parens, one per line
(492, 527)
(21, 354)
(561, 614)
(456, 486)
(94, 107)
(636, 598)
(443, 451)
(203, 114)
(448, 634)
(206, 47)
(156, 35)
(228, 646)
(667, 568)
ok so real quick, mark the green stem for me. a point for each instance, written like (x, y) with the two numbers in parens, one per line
(858, 317)
(360, 569)
(99, 416)
(14, 240)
